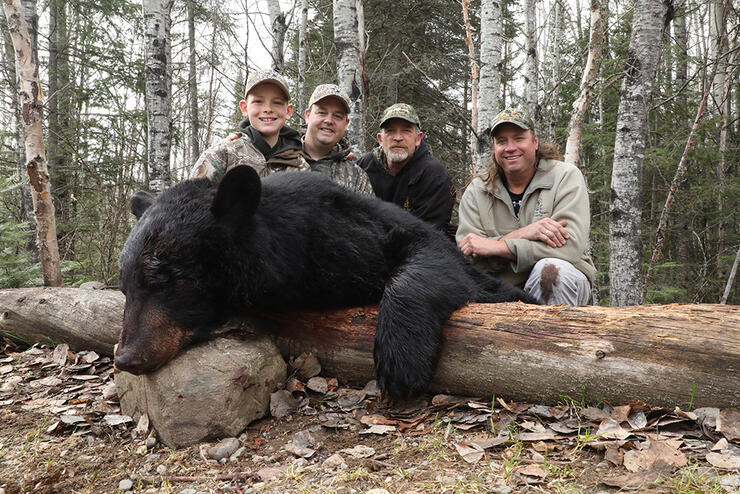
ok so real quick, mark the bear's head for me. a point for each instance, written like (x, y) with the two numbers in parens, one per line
(177, 266)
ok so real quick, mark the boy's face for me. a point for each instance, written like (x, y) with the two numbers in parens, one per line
(267, 109)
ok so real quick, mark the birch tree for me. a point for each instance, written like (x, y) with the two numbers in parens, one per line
(531, 82)
(31, 100)
(302, 60)
(625, 205)
(589, 79)
(158, 75)
(489, 88)
(279, 26)
(474, 78)
(350, 71)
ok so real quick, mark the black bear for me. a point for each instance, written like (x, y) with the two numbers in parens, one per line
(201, 253)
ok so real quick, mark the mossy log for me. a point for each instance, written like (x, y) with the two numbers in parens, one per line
(667, 355)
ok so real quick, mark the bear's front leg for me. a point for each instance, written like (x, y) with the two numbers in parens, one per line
(419, 297)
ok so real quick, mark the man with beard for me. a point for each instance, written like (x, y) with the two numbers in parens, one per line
(403, 171)
(324, 146)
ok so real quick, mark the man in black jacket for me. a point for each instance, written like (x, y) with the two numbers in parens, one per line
(403, 171)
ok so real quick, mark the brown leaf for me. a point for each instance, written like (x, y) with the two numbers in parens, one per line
(471, 453)
(533, 471)
(620, 414)
(594, 414)
(59, 356)
(659, 455)
(728, 423)
(610, 429)
(614, 454)
(727, 460)
(632, 481)
(317, 384)
(377, 419)
(306, 365)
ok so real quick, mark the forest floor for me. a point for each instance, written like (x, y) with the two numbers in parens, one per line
(61, 431)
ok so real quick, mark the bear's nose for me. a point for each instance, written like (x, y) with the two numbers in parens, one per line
(129, 362)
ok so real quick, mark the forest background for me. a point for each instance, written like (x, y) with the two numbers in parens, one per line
(439, 55)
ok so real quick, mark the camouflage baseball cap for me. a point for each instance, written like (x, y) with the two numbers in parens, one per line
(270, 76)
(514, 116)
(402, 111)
(327, 90)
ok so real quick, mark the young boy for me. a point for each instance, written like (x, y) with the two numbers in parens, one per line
(265, 143)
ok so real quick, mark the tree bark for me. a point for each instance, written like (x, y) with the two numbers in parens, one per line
(489, 87)
(32, 106)
(350, 71)
(25, 212)
(474, 81)
(279, 27)
(531, 82)
(158, 74)
(625, 205)
(302, 61)
(590, 76)
(193, 86)
(669, 355)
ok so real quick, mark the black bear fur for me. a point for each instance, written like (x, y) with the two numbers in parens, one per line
(201, 254)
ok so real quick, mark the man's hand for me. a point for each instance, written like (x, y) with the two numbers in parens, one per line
(546, 230)
(473, 245)
(231, 137)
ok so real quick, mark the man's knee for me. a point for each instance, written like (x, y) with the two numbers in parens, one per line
(557, 281)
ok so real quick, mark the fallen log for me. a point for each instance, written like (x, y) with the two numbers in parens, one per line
(670, 355)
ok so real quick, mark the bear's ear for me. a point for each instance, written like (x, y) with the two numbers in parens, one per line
(140, 202)
(238, 194)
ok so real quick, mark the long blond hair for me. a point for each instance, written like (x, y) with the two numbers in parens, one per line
(545, 151)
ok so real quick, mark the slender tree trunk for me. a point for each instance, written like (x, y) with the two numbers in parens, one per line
(26, 202)
(531, 83)
(59, 111)
(731, 278)
(590, 76)
(680, 34)
(474, 79)
(302, 60)
(556, 39)
(279, 27)
(489, 88)
(625, 206)
(32, 104)
(391, 90)
(193, 85)
(158, 74)
(350, 71)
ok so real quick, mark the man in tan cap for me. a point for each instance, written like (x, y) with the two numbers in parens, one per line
(265, 143)
(526, 219)
(324, 146)
(403, 171)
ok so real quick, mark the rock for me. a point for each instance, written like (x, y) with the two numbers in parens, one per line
(162, 470)
(377, 491)
(224, 449)
(209, 391)
(125, 485)
(334, 462)
(110, 393)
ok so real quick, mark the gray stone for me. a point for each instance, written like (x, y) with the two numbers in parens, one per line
(223, 449)
(125, 485)
(209, 391)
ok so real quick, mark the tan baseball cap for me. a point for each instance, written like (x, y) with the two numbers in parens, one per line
(262, 76)
(326, 91)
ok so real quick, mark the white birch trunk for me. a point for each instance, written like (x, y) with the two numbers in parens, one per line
(31, 101)
(279, 27)
(350, 71)
(489, 87)
(625, 205)
(530, 77)
(589, 79)
(158, 74)
(302, 60)
(474, 78)
(555, 41)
